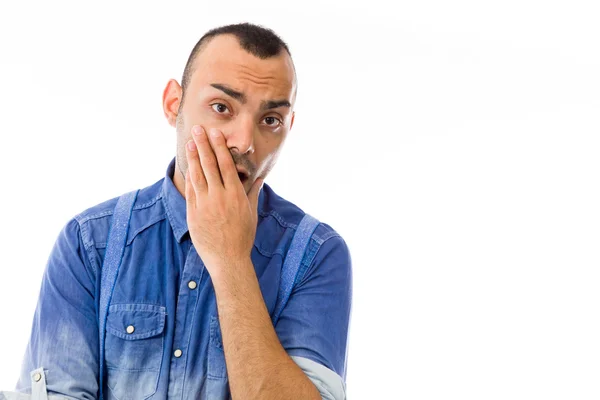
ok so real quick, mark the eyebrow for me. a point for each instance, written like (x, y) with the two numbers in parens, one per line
(241, 97)
(268, 105)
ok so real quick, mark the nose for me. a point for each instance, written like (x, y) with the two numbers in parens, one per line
(241, 135)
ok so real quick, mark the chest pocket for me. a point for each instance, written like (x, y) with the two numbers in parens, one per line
(134, 349)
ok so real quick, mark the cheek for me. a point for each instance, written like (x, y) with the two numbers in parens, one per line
(267, 163)
(186, 121)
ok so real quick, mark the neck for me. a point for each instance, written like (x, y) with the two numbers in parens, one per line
(178, 179)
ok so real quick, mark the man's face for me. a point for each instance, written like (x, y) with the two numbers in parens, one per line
(249, 99)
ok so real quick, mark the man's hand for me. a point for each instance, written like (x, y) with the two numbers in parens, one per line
(221, 218)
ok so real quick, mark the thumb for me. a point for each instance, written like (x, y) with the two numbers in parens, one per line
(255, 192)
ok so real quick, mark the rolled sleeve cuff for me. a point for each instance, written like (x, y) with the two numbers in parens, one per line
(330, 385)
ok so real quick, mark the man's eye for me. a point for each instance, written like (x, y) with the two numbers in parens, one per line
(220, 108)
(272, 121)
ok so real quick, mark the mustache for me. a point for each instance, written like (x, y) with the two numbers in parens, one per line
(244, 163)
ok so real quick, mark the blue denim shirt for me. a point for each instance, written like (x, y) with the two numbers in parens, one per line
(163, 335)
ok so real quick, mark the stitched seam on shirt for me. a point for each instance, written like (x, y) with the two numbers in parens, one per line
(266, 253)
(330, 234)
(116, 307)
(149, 202)
(187, 344)
(153, 222)
(132, 306)
(309, 258)
(87, 242)
(87, 245)
(278, 218)
(92, 262)
(102, 245)
(307, 261)
(170, 216)
(316, 236)
(133, 370)
(82, 218)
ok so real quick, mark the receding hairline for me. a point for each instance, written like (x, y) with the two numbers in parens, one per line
(204, 42)
(190, 67)
(256, 40)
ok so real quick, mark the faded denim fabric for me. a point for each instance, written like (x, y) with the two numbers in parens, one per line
(163, 335)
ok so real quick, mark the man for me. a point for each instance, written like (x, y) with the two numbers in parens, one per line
(190, 315)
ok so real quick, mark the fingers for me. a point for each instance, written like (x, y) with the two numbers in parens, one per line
(208, 161)
(190, 193)
(225, 160)
(196, 175)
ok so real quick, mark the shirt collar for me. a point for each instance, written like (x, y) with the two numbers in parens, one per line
(174, 204)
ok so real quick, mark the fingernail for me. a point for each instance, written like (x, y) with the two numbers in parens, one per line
(197, 130)
(214, 132)
(191, 145)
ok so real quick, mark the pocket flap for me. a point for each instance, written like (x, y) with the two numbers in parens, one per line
(135, 321)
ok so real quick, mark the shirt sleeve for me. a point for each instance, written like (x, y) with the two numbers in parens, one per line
(314, 323)
(38, 389)
(4, 395)
(330, 385)
(64, 334)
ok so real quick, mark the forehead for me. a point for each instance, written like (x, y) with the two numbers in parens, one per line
(223, 60)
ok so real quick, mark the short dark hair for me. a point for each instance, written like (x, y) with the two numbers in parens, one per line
(255, 39)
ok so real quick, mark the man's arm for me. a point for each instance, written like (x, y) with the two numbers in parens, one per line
(222, 220)
(64, 335)
(313, 328)
(257, 365)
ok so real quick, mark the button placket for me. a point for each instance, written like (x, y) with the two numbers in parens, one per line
(191, 277)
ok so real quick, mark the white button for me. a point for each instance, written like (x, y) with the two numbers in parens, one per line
(130, 329)
(37, 377)
(192, 285)
(178, 353)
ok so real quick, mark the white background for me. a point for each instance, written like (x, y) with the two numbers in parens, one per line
(454, 145)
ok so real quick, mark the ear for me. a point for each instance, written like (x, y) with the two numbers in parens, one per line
(171, 98)
(293, 116)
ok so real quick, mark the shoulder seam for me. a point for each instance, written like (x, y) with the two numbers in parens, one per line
(87, 244)
(82, 218)
(278, 218)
